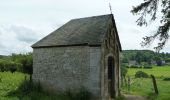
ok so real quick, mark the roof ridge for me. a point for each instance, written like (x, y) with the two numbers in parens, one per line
(91, 16)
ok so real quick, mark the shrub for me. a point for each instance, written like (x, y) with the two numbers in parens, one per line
(166, 79)
(134, 66)
(141, 74)
(12, 69)
(147, 66)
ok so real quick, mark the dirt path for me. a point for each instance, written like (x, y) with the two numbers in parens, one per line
(134, 97)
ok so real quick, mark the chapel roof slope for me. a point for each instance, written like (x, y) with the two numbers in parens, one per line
(89, 30)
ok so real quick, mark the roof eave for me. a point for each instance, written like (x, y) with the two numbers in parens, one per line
(83, 44)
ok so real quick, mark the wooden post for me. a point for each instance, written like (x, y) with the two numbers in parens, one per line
(129, 83)
(154, 84)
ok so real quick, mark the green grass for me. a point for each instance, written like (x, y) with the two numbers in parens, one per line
(9, 82)
(163, 71)
(144, 86)
(16, 86)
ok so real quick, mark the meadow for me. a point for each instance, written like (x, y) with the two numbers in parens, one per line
(159, 72)
(15, 86)
(144, 86)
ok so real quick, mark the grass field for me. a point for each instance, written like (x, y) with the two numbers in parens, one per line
(144, 87)
(163, 71)
(16, 86)
(13, 87)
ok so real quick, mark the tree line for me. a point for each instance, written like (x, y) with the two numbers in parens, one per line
(144, 56)
(17, 62)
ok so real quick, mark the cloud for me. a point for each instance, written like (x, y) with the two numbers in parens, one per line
(17, 39)
(25, 22)
(24, 34)
(1, 45)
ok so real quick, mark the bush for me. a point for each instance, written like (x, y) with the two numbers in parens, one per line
(141, 74)
(159, 63)
(134, 66)
(166, 79)
(147, 66)
(12, 69)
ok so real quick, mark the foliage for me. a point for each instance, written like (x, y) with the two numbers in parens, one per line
(167, 60)
(17, 62)
(25, 60)
(166, 79)
(145, 56)
(141, 74)
(8, 66)
(134, 66)
(123, 70)
(16, 86)
(158, 60)
(150, 8)
(138, 55)
(146, 65)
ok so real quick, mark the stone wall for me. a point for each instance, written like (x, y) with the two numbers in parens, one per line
(110, 48)
(63, 68)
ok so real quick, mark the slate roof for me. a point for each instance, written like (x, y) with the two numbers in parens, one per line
(89, 30)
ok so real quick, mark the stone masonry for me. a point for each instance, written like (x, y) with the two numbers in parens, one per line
(76, 67)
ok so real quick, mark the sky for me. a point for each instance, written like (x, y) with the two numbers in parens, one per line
(24, 22)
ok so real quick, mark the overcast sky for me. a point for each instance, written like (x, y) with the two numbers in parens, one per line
(24, 22)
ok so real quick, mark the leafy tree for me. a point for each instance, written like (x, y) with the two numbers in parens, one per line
(163, 55)
(150, 8)
(139, 57)
(158, 60)
(25, 60)
(144, 56)
(167, 60)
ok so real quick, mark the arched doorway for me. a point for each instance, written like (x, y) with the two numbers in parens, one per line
(111, 76)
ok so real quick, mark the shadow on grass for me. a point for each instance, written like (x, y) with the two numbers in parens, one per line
(152, 96)
(28, 91)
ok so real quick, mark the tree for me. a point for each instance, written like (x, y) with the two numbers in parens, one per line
(150, 8)
(138, 57)
(158, 60)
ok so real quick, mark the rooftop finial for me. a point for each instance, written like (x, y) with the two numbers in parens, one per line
(110, 8)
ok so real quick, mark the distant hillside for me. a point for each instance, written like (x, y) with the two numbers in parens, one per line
(143, 56)
(2, 56)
